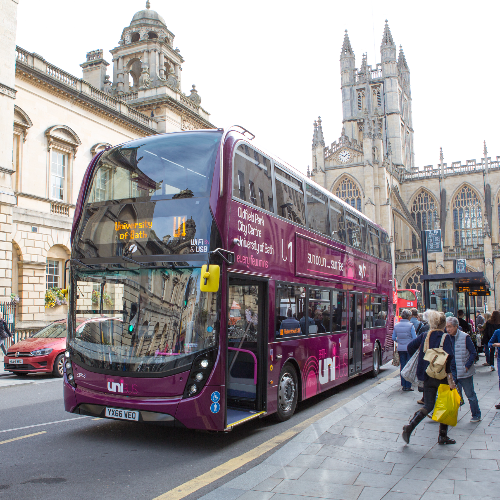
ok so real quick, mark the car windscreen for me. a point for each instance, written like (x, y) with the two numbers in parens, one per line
(53, 331)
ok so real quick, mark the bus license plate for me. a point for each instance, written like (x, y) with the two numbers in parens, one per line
(16, 361)
(122, 414)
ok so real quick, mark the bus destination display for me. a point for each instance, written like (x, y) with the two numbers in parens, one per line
(318, 259)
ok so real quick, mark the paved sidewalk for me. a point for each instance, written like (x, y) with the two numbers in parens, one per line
(356, 452)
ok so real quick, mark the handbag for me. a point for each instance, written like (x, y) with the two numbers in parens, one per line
(446, 407)
(409, 372)
(395, 357)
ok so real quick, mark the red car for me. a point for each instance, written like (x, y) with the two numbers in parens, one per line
(42, 353)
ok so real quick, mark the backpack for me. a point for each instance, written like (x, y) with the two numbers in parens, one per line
(436, 357)
(420, 325)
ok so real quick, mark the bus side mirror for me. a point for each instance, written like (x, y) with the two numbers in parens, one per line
(210, 278)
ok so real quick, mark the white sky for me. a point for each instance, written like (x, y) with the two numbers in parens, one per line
(273, 66)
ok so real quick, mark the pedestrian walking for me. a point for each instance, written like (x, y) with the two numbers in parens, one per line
(465, 355)
(403, 333)
(436, 338)
(492, 344)
(488, 330)
(415, 321)
(4, 333)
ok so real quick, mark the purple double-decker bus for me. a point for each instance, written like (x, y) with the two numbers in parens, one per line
(211, 284)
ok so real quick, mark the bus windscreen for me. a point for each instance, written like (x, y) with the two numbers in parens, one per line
(145, 320)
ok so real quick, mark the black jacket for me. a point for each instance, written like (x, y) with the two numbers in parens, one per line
(4, 330)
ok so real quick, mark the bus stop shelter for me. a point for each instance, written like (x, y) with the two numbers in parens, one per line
(452, 292)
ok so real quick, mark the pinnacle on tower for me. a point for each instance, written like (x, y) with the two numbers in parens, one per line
(402, 64)
(364, 63)
(485, 150)
(318, 139)
(148, 4)
(346, 47)
(387, 38)
(441, 156)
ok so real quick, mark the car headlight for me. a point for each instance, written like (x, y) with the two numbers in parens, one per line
(41, 352)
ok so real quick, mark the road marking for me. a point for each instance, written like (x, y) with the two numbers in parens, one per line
(40, 425)
(199, 482)
(22, 437)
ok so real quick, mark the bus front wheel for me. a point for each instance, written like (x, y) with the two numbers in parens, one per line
(288, 392)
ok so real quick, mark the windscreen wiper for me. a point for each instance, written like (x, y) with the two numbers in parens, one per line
(128, 259)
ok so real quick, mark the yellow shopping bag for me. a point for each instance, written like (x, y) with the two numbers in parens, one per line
(446, 407)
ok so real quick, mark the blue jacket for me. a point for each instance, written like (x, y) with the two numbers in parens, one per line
(495, 339)
(403, 333)
(434, 341)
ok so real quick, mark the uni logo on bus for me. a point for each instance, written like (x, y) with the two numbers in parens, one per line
(115, 387)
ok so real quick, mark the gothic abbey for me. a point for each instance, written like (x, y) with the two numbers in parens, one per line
(372, 167)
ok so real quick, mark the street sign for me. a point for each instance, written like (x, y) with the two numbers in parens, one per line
(460, 265)
(434, 244)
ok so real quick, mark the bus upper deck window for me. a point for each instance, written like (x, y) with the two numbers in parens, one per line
(252, 175)
(290, 197)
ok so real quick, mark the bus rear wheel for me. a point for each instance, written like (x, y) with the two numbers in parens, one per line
(376, 361)
(288, 392)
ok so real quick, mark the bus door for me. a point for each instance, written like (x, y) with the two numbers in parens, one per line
(246, 344)
(355, 332)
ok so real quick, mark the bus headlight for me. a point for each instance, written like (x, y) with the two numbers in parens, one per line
(68, 366)
(200, 373)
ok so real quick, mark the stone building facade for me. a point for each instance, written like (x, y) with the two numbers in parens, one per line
(372, 167)
(53, 123)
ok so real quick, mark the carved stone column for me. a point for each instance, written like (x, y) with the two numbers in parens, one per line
(162, 66)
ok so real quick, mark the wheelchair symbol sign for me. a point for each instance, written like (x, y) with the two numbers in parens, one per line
(215, 397)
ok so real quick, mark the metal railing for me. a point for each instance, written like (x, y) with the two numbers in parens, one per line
(8, 310)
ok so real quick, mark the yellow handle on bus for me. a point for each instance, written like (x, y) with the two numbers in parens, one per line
(210, 278)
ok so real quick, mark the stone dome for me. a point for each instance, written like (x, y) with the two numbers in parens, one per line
(147, 15)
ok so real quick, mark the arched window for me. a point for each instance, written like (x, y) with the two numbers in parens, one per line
(152, 35)
(467, 218)
(413, 280)
(348, 191)
(424, 211)
(135, 37)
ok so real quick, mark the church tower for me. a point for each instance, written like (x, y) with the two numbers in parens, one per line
(384, 91)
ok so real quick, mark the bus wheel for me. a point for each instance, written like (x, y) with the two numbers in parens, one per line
(288, 393)
(376, 361)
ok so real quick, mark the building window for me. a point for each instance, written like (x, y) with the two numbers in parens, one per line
(467, 218)
(424, 211)
(52, 274)
(377, 97)
(58, 167)
(348, 191)
(361, 99)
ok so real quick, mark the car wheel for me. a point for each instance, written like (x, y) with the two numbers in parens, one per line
(58, 369)
(376, 361)
(288, 393)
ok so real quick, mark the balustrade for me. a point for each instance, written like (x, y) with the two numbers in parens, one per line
(78, 84)
(58, 209)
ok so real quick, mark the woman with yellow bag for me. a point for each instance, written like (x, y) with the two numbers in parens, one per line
(436, 366)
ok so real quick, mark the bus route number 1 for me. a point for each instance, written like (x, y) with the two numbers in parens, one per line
(284, 252)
